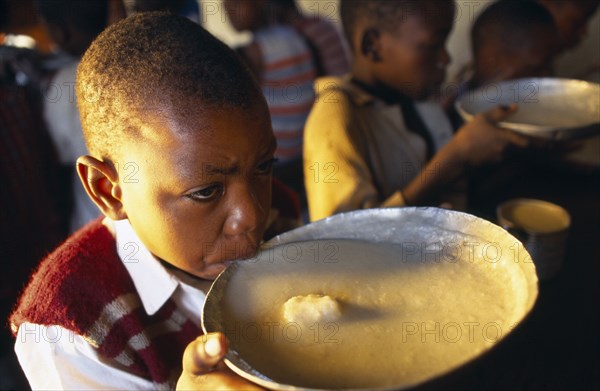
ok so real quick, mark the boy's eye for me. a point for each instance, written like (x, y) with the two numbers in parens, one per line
(266, 167)
(207, 193)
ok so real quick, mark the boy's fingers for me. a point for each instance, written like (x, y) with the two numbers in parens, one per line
(500, 113)
(204, 353)
(204, 369)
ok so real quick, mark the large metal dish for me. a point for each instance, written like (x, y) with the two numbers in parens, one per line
(549, 108)
(399, 226)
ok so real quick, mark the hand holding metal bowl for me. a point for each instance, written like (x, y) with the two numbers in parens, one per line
(549, 108)
(373, 299)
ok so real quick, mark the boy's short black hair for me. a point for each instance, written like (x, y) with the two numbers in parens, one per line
(509, 24)
(149, 62)
(386, 14)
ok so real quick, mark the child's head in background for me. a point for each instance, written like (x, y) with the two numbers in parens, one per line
(248, 15)
(180, 141)
(571, 17)
(512, 39)
(399, 46)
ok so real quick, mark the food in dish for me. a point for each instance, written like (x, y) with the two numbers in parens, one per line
(312, 308)
(369, 315)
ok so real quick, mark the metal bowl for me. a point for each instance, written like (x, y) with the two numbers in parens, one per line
(549, 108)
(399, 226)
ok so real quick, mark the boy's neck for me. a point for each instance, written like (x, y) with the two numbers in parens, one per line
(186, 277)
(386, 94)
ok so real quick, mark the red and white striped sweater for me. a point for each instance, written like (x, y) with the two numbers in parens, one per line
(84, 287)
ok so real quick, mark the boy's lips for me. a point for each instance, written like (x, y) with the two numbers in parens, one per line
(248, 252)
(214, 269)
(223, 255)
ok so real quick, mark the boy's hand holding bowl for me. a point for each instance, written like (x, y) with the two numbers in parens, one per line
(203, 367)
(482, 140)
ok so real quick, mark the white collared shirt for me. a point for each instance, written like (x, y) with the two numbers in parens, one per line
(55, 358)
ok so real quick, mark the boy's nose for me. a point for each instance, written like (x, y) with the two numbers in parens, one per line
(246, 213)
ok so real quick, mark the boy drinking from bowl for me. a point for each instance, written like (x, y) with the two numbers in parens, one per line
(181, 149)
(509, 40)
(364, 129)
(512, 40)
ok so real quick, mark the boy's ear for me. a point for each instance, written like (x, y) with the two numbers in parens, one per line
(100, 181)
(370, 45)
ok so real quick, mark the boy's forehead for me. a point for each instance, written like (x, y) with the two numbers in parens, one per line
(437, 18)
(218, 138)
(436, 28)
(192, 117)
(439, 15)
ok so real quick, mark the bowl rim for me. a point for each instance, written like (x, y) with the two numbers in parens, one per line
(242, 368)
(545, 131)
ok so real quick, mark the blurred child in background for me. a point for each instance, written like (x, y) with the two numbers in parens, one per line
(366, 127)
(571, 17)
(509, 40)
(325, 40)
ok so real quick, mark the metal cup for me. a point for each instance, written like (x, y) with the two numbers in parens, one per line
(542, 227)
